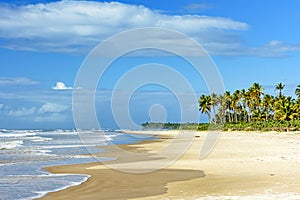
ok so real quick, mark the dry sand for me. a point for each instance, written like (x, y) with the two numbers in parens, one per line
(241, 166)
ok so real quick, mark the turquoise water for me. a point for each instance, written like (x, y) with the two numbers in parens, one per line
(24, 154)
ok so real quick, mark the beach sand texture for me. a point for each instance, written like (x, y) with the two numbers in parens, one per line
(242, 166)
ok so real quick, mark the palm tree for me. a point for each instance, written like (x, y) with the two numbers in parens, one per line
(297, 108)
(215, 102)
(297, 91)
(279, 87)
(227, 105)
(221, 114)
(205, 105)
(235, 104)
(285, 109)
(256, 91)
(247, 104)
(267, 106)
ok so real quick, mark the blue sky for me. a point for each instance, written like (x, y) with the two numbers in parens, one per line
(43, 44)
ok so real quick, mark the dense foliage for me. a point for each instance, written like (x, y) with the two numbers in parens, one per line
(293, 125)
(251, 105)
(175, 126)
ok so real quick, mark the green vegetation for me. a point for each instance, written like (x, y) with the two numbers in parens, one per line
(273, 125)
(175, 126)
(252, 109)
(248, 110)
(251, 105)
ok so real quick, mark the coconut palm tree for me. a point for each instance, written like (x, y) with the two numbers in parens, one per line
(279, 87)
(205, 105)
(297, 108)
(256, 91)
(227, 105)
(285, 109)
(297, 91)
(247, 104)
(267, 106)
(214, 102)
(221, 114)
(236, 104)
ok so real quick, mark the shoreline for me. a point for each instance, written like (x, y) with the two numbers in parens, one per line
(242, 164)
(45, 193)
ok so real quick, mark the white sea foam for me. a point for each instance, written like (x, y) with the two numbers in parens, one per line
(39, 139)
(38, 194)
(10, 144)
(26, 152)
(43, 193)
(66, 146)
(20, 134)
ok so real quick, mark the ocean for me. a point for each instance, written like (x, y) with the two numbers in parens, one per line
(24, 154)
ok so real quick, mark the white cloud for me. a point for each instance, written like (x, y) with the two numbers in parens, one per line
(77, 26)
(6, 81)
(1, 106)
(61, 86)
(272, 49)
(52, 108)
(46, 110)
(275, 48)
(22, 112)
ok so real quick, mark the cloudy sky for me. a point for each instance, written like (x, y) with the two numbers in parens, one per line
(44, 43)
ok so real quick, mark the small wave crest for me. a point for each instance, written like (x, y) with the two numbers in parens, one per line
(4, 145)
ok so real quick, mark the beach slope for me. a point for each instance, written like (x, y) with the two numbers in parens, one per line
(242, 165)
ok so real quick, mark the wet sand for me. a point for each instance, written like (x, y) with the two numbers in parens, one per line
(241, 166)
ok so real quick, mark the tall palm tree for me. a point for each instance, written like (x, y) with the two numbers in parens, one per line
(279, 87)
(267, 105)
(205, 105)
(221, 109)
(214, 103)
(227, 105)
(244, 101)
(297, 91)
(256, 91)
(247, 104)
(235, 104)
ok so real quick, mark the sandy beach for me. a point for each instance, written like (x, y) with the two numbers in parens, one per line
(243, 165)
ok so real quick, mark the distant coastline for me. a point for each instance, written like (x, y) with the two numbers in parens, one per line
(264, 126)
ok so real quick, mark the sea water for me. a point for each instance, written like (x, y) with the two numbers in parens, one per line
(25, 153)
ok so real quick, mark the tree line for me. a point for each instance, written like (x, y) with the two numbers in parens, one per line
(251, 105)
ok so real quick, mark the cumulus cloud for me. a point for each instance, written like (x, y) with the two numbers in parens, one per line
(52, 108)
(77, 26)
(61, 86)
(8, 81)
